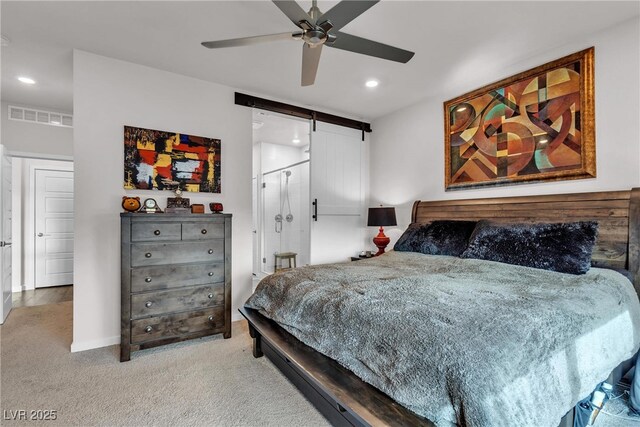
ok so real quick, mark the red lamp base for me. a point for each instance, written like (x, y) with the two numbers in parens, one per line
(381, 241)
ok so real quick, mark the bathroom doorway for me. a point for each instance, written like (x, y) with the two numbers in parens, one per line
(282, 208)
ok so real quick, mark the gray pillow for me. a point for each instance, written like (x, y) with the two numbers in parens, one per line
(436, 238)
(563, 247)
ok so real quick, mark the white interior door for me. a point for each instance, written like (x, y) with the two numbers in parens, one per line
(336, 190)
(5, 234)
(54, 228)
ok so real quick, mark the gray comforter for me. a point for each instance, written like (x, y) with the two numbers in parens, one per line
(464, 341)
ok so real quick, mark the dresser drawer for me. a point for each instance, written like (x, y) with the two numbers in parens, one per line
(154, 303)
(202, 230)
(175, 276)
(143, 254)
(175, 325)
(150, 231)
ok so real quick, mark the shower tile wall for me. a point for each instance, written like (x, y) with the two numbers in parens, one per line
(294, 236)
(271, 207)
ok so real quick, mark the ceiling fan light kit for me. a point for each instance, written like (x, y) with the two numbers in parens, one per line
(320, 29)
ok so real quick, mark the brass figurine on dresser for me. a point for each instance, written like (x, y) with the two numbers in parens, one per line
(176, 279)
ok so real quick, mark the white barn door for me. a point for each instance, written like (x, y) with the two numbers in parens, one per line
(5, 234)
(336, 190)
(54, 228)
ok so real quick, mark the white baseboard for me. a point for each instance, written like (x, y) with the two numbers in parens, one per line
(89, 345)
(236, 316)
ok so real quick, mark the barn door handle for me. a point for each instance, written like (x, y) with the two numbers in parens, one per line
(315, 209)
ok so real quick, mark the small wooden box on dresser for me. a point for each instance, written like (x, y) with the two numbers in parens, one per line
(176, 279)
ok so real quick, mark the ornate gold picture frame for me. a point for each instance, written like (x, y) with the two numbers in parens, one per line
(538, 125)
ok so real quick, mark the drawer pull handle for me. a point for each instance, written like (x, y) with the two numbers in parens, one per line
(148, 304)
(210, 296)
(210, 318)
(210, 273)
(210, 251)
(148, 255)
(204, 231)
(157, 232)
(148, 329)
(147, 279)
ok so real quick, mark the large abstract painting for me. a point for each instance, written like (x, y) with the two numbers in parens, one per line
(537, 125)
(159, 160)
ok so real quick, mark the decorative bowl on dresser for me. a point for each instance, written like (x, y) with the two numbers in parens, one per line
(176, 279)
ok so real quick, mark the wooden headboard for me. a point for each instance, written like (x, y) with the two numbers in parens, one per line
(617, 213)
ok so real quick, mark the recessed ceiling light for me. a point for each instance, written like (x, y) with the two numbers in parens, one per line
(27, 80)
(296, 141)
(372, 83)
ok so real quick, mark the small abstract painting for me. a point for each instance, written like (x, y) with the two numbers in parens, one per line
(160, 160)
(538, 125)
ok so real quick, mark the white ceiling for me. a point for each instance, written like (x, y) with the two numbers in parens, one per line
(450, 38)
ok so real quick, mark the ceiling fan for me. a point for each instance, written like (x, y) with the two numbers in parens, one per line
(320, 29)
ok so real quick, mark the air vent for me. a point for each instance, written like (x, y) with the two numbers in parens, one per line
(16, 113)
(39, 116)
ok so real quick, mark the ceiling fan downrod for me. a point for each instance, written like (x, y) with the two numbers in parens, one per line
(314, 12)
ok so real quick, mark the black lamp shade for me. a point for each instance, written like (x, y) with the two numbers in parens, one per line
(381, 217)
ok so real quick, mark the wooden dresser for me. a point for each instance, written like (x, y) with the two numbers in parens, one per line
(176, 278)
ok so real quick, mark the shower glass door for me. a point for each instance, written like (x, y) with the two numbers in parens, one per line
(285, 219)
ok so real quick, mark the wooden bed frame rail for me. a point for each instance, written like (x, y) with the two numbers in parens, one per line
(343, 398)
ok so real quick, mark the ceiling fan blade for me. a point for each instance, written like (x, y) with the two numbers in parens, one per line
(357, 44)
(310, 61)
(245, 41)
(293, 11)
(345, 12)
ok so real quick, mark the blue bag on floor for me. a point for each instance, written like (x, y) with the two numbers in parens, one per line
(582, 412)
(634, 391)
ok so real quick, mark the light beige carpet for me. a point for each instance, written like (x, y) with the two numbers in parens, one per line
(210, 381)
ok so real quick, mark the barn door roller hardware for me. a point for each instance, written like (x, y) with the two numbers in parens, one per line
(305, 113)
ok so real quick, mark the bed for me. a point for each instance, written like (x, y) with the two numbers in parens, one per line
(345, 399)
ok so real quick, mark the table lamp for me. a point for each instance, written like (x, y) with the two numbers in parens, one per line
(380, 217)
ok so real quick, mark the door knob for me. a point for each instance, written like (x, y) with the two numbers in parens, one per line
(40, 234)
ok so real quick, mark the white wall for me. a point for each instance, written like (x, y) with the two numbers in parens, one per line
(407, 150)
(25, 137)
(109, 94)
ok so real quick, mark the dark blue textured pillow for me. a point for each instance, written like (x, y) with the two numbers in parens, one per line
(412, 237)
(436, 238)
(563, 247)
